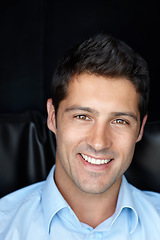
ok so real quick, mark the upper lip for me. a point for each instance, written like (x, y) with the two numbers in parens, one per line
(97, 157)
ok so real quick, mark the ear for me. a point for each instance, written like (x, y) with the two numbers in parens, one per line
(51, 120)
(142, 128)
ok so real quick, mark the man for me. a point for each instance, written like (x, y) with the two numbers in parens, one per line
(98, 112)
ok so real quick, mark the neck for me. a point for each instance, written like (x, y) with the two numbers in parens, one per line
(91, 209)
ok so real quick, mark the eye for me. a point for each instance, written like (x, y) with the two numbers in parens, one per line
(120, 122)
(82, 117)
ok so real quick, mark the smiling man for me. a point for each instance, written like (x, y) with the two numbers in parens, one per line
(98, 111)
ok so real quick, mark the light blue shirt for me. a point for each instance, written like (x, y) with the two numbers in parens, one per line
(39, 212)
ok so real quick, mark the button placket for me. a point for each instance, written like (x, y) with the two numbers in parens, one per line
(94, 235)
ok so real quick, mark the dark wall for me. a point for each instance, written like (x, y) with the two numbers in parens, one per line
(34, 34)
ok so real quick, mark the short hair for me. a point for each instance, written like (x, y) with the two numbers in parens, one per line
(106, 56)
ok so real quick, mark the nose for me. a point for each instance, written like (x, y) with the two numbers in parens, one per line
(99, 137)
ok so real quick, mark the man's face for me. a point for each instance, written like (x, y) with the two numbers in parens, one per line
(97, 129)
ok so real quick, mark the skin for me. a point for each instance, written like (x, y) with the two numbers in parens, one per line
(100, 119)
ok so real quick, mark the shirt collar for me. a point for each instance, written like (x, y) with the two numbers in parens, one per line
(52, 202)
(125, 203)
(126, 200)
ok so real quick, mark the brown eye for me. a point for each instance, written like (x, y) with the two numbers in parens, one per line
(83, 117)
(120, 121)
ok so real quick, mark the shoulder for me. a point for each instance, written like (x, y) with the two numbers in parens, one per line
(21, 213)
(153, 198)
(13, 201)
(147, 208)
(146, 199)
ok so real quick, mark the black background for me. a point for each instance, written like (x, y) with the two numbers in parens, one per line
(34, 34)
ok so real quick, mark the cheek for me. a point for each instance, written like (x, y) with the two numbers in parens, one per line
(72, 133)
(125, 147)
(128, 156)
(67, 139)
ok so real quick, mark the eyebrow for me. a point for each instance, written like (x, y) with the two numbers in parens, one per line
(129, 114)
(86, 109)
(93, 111)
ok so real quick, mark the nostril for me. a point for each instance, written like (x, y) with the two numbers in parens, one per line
(98, 144)
(100, 136)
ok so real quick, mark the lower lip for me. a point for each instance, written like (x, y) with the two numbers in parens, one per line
(95, 167)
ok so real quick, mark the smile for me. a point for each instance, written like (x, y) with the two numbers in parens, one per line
(94, 160)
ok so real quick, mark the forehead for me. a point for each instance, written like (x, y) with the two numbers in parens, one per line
(102, 93)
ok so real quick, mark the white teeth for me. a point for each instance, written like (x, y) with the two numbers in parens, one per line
(95, 161)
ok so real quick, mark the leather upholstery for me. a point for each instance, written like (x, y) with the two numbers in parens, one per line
(27, 150)
(27, 153)
(144, 171)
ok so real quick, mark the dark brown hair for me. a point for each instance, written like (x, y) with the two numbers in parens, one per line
(106, 56)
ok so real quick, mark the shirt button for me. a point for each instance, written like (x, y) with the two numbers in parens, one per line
(93, 235)
(98, 235)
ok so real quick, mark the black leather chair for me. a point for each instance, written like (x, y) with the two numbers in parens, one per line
(27, 153)
(144, 171)
(27, 150)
